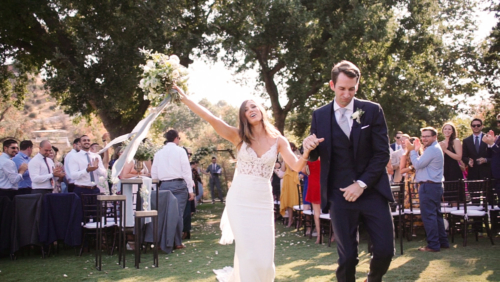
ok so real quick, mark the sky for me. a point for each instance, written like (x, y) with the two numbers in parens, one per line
(216, 82)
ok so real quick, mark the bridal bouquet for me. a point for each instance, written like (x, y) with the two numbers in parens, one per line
(159, 74)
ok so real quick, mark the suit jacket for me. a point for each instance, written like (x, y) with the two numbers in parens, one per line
(370, 144)
(393, 146)
(494, 155)
(476, 172)
(213, 172)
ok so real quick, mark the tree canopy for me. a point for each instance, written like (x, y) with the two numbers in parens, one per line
(411, 54)
(90, 49)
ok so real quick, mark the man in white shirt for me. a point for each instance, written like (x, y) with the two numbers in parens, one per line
(10, 175)
(85, 168)
(77, 146)
(171, 167)
(42, 172)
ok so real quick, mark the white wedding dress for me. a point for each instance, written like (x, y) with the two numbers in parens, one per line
(249, 218)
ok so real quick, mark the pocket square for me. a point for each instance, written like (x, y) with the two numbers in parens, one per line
(366, 126)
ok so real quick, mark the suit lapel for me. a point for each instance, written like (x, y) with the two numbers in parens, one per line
(328, 129)
(356, 127)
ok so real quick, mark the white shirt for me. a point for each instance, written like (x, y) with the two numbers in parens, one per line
(172, 162)
(67, 161)
(78, 168)
(9, 174)
(348, 113)
(39, 173)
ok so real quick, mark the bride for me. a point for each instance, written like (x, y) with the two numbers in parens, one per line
(248, 217)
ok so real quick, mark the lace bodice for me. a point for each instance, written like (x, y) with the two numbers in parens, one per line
(249, 163)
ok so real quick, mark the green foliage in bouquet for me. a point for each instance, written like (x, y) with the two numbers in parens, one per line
(159, 75)
(146, 150)
(202, 152)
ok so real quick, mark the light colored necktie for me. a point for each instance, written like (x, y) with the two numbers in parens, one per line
(91, 173)
(477, 143)
(344, 123)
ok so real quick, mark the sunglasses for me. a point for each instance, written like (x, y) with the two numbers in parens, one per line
(397, 137)
(476, 125)
(14, 148)
(426, 136)
(498, 121)
(189, 154)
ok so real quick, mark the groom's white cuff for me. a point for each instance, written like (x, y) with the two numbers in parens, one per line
(362, 184)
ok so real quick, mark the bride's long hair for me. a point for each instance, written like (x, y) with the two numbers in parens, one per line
(245, 128)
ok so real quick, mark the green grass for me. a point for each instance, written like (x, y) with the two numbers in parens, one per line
(297, 259)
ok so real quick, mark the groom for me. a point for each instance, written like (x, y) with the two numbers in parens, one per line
(354, 182)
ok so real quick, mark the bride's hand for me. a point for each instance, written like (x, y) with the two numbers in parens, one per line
(181, 92)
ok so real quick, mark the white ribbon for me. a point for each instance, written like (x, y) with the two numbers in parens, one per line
(140, 131)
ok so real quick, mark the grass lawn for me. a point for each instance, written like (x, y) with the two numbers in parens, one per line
(297, 259)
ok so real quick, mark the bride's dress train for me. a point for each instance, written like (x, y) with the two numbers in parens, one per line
(249, 218)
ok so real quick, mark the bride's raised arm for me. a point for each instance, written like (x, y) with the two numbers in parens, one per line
(226, 131)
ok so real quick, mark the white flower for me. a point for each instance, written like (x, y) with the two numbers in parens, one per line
(175, 60)
(357, 115)
(175, 74)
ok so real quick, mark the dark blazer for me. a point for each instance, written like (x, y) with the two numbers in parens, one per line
(213, 172)
(494, 155)
(371, 147)
(476, 172)
(393, 146)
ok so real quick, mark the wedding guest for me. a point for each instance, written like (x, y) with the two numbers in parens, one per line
(475, 154)
(171, 167)
(199, 195)
(94, 147)
(59, 183)
(314, 193)
(197, 180)
(42, 171)
(77, 145)
(24, 157)
(214, 170)
(396, 158)
(276, 181)
(397, 145)
(429, 173)
(452, 149)
(10, 175)
(289, 189)
(494, 154)
(85, 169)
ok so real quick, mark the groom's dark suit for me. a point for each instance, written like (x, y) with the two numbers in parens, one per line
(364, 157)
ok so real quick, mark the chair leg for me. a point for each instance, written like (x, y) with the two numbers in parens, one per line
(488, 231)
(465, 233)
(330, 235)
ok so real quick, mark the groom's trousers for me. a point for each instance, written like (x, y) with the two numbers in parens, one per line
(373, 210)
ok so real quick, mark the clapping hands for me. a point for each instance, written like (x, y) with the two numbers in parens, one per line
(489, 138)
(58, 172)
(415, 146)
(93, 165)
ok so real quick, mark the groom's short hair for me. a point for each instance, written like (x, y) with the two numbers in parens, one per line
(347, 68)
(171, 135)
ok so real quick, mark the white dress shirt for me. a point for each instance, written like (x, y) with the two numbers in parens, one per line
(78, 169)
(172, 162)
(40, 174)
(9, 174)
(67, 161)
(348, 113)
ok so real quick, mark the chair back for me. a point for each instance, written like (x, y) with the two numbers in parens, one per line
(493, 197)
(89, 207)
(399, 196)
(477, 191)
(451, 194)
(413, 195)
(300, 188)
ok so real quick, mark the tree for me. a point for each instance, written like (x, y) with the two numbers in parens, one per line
(491, 69)
(90, 49)
(406, 64)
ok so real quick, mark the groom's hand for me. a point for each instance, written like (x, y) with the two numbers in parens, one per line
(352, 192)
